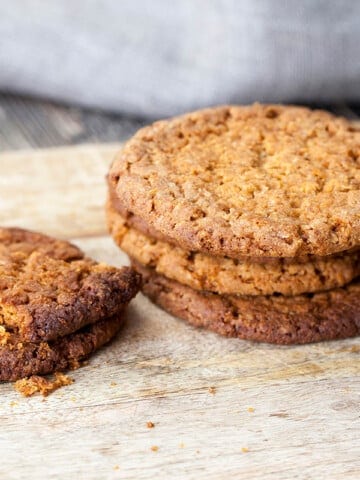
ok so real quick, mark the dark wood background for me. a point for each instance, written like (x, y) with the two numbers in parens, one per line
(30, 123)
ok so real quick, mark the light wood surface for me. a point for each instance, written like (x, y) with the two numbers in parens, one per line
(274, 412)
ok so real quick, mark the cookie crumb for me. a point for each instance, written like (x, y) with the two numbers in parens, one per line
(150, 424)
(212, 390)
(13, 404)
(251, 409)
(36, 384)
(154, 448)
(181, 445)
(113, 384)
(116, 467)
(244, 449)
(355, 349)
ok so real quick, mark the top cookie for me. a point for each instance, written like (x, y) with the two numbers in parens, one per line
(260, 180)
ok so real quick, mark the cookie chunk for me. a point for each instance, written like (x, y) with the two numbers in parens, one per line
(18, 242)
(19, 359)
(225, 275)
(259, 181)
(275, 319)
(48, 289)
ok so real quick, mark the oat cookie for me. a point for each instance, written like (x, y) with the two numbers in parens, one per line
(229, 276)
(19, 359)
(48, 289)
(260, 181)
(275, 319)
(17, 241)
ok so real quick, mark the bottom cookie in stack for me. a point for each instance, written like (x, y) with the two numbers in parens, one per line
(56, 306)
(282, 301)
(275, 319)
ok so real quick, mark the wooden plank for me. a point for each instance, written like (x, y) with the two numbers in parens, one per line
(59, 191)
(305, 422)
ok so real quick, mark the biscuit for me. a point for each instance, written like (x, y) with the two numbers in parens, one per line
(229, 276)
(17, 241)
(259, 181)
(274, 319)
(19, 359)
(48, 289)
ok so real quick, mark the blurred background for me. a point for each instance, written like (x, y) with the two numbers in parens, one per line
(75, 71)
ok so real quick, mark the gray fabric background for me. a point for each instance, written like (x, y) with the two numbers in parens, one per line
(161, 57)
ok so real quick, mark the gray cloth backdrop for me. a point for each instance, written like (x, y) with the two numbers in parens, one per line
(160, 57)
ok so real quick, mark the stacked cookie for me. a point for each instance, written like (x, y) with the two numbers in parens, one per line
(245, 220)
(56, 305)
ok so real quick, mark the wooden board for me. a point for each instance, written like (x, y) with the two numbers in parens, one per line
(274, 412)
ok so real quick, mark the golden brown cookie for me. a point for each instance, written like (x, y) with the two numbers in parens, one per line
(229, 276)
(17, 241)
(48, 289)
(19, 359)
(274, 319)
(260, 181)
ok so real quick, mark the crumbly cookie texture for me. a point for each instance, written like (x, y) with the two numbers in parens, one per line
(260, 180)
(48, 289)
(35, 384)
(19, 359)
(229, 276)
(275, 319)
(18, 242)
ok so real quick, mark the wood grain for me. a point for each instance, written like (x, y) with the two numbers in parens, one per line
(30, 123)
(274, 412)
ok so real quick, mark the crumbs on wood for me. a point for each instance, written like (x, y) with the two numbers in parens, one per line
(36, 384)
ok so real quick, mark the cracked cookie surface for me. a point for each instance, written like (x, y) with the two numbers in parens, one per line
(260, 181)
(49, 289)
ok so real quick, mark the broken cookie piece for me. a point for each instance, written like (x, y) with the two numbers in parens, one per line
(49, 289)
(19, 360)
(56, 305)
(35, 384)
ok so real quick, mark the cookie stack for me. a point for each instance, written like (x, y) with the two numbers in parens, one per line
(245, 220)
(56, 306)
